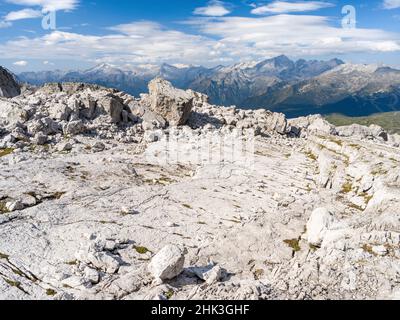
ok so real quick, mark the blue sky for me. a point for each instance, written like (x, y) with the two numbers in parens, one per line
(201, 32)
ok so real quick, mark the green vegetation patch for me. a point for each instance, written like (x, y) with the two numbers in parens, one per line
(294, 244)
(389, 121)
(169, 294)
(258, 274)
(141, 250)
(3, 208)
(51, 292)
(347, 188)
(6, 152)
(311, 156)
(4, 256)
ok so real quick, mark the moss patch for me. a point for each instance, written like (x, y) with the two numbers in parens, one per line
(3, 208)
(347, 188)
(51, 292)
(169, 294)
(356, 207)
(294, 244)
(4, 256)
(141, 250)
(367, 248)
(258, 274)
(311, 156)
(338, 142)
(162, 181)
(72, 263)
(6, 152)
(13, 283)
(355, 146)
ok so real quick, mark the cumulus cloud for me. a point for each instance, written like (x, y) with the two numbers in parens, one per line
(139, 42)
(391, 4)
(48, 5)
(29, 13)
(295, 35)
(5, 24)
(23, 14)
(287, 7)
(21, 63)
(222, 40)
(214, 8)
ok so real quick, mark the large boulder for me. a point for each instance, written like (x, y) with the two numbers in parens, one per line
(9, 88)
(276, 122)
(174, 105)
(112, 106)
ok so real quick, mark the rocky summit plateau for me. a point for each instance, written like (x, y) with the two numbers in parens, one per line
(165, 196)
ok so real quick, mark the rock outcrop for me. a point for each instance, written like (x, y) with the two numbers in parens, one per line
(320, 222)
(9, 87)
(103, 183)
(363, 132)
(174, 105)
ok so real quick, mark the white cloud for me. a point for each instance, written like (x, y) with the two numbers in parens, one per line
(295, 35)
(21, 63)
(48, 63)
(5, 24)
(139, 42)
(223, 40)
(391, 4)
(287, 7)
(214, 8)
(22, 14)
(48, 5)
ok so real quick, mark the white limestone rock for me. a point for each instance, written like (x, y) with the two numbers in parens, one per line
(319, 223)
(174, 105)
(168, 263)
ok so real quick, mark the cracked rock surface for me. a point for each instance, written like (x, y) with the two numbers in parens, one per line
(94, 184)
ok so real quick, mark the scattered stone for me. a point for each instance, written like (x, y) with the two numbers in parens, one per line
(64, 147)
(168, 263)
(92, 275)
(380, 250)
(73, 282)
(210, 274)
(14, 206)
(74, 128)
(98, 146)
(40, 139)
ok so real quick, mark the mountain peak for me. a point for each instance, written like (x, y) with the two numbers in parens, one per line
(281, 61)
(103, 67)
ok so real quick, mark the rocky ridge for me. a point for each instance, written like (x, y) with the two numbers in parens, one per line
(8, 85)
(108, 196)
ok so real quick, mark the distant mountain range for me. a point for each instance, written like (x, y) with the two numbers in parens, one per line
(296, 88)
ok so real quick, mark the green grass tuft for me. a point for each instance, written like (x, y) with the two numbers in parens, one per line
(6, 152)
